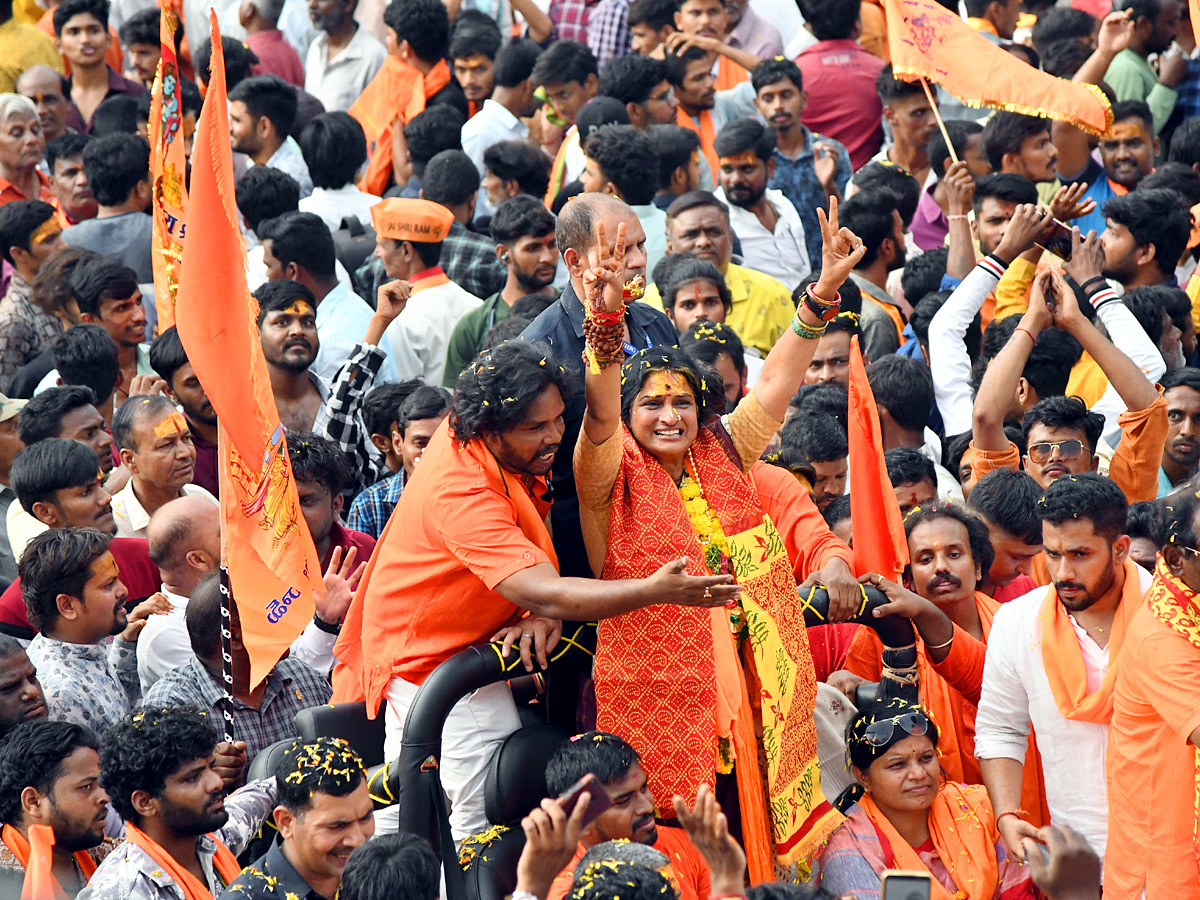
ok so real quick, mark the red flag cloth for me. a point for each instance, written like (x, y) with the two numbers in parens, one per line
(273, 565)
(40, 883)
(875, 524)
(168, 171)
(927, 40)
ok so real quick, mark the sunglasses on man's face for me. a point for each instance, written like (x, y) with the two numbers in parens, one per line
(1043, 451)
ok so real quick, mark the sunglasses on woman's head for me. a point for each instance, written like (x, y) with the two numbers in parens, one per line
(879, 732)
(1042, 451)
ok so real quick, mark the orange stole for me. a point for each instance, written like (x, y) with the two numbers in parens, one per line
(37, 857)
(729, 74)
(398, 90)
(668, 678)
(224, 863)
(963, 829)
(708, 134)
(1063, 660)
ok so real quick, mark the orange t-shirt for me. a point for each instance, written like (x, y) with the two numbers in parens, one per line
(1135, 462)
(9, 192)
(463, 525)
(1151, 765)
(691, 871)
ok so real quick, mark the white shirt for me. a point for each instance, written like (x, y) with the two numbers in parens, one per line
(289, 160)
(492, 124)
(22, 528)
(418, 338)
(256, 269)
(782, 254)
(132, 518)
(335, 204)
(342, 320)
(1016, 694)
(654, 223)
(337, 82)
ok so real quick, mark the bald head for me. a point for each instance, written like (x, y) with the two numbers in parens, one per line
(44, 87)
(185, 542)
(575, 233)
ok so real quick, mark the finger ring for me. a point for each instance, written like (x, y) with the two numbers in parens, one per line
(707, 594)
(525, 635)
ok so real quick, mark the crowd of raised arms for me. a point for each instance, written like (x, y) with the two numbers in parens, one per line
(818, 450)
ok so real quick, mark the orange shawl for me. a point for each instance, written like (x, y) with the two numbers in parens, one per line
(708, 135)
(224, 862)
(963, 829)
(729, 74)
(1063, 660)
(668, 678)
(36, 855)
(398, 91)
(1175, 605)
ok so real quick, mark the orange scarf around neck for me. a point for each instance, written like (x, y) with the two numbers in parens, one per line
(708, 136)
(36, 855)
(963, 829)
(1062, 657)
(224, 862)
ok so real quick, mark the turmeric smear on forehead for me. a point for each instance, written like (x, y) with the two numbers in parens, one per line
(664, 383)
(172, 425)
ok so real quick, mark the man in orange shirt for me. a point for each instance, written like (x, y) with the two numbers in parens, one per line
(1155, 729)
(630, 817)
(1060, 433)
(441, 580)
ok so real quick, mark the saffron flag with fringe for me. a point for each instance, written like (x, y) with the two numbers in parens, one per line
(168, 171)
(929, 41)
(273, 565)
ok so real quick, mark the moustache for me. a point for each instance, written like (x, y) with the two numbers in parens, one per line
(947, 578)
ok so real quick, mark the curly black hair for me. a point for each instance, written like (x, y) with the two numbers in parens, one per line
(32, 755)
(978, 537)
(317, 459)
(494, 392)
(141, 751)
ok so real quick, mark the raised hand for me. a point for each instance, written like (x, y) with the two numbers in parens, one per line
(1115, 32)
(1039, 315)
(604, 278)
(841, 250)
(825, 160)
(391, 299)
(154, 605)
(1087, 257)
(708, 829)
(1026, 226)
(341, 578)
(960, 188)
(1065, 309)
(151, 385)
(1069, 203)
(551, 838)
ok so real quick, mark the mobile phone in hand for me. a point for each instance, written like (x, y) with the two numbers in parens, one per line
(904, 885)
(588, 784)
(1057, 239)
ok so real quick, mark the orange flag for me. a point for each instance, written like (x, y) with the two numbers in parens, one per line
(1194, 13)
(929, 41)
(168, 172)
(875, 524)
(40, 883)
(273, 565)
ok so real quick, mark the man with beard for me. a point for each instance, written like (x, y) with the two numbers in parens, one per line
(167, 781)
(441, 581)
(1051, 660)
(1130, 75)
(50, 776)
(764, 219)
(75, 598)
(170, 362)
(619, 771)
(1127, 153)
(343, 57)
(1147, 233)
(21, 697)
(287, 329)
(74, 200)
(1181, 451)
(262, 111)
(949, 551)
(523, 232)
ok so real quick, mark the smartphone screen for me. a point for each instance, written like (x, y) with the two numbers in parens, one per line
(899, 885)
(1057, 239)
(588, 784)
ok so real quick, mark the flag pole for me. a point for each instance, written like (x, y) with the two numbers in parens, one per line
(227, 654)
(938, 116)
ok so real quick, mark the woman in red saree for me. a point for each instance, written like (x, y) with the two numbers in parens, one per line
(660, 478)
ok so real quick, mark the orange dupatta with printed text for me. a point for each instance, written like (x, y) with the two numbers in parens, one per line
(1174, 604)
(669, 679)
(224, 862)
(963, 829)
(1063, 660)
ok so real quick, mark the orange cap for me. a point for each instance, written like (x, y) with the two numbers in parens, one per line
(404, 219)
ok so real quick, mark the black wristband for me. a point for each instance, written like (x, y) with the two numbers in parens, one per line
(334, 628)
(1086, 287)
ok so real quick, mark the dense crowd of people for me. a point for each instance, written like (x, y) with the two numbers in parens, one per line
(659, 316)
